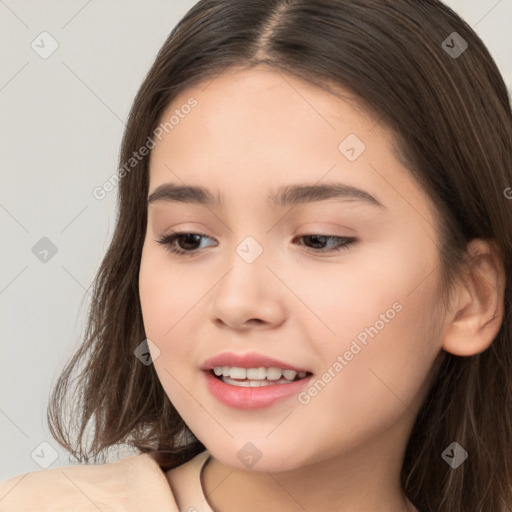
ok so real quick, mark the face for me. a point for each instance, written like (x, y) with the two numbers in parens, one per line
(340, 286)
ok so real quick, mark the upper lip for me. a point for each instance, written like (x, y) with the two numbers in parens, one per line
(247, 360)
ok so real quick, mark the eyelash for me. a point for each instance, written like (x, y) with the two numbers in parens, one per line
(169, 240)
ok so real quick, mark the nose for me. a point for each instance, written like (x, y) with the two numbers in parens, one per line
(248, 295)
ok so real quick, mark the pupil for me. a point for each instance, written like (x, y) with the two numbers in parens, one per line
(189, 238)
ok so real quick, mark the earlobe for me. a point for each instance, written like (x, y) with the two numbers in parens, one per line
(479, 302)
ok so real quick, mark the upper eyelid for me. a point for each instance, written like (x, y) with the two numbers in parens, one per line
(312, 232)
(327, 231)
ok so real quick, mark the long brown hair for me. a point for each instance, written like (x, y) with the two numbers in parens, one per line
(450, 111)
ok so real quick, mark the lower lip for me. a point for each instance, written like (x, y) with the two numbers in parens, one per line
(252, 398)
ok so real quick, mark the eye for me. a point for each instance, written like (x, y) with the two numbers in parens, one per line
(341, 242)
(185, 239)
(189, 238)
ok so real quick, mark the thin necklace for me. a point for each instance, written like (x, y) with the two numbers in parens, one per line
(201, 481)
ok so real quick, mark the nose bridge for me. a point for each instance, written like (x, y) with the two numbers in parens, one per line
(246, 291)
(254, 240)
(251, 231)
(248, 268)
(249, 250)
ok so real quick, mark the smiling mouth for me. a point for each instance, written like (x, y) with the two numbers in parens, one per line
(246, 382)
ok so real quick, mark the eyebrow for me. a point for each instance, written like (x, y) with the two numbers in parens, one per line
(284, 196)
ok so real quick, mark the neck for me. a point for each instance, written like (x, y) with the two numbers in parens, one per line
(355, 481)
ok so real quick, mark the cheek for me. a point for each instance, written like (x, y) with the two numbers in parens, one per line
(361, 294)
(166, 293)
(365, 388)
(170, 302)
(382, 316)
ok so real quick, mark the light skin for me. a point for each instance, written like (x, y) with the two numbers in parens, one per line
(252, 132)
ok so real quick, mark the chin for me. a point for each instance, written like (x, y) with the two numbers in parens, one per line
(259, 457)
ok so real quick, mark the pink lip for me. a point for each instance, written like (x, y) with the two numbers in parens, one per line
(247, 360)
(249, 397)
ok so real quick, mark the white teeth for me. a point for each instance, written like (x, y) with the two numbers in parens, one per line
(289, 374)
(256, 374)
(253, 383)
(274, 373)
(237, 373)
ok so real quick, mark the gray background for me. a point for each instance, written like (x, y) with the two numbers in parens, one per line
(61, 125)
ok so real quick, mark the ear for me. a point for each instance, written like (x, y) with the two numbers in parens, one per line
(477, 314)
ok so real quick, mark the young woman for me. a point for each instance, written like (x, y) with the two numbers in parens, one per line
(306, 304)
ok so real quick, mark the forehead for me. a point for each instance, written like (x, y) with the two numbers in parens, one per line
(266, 100)
(253, 131)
